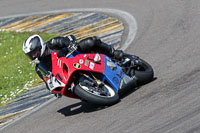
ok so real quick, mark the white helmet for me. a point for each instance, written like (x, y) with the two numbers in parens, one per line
(34, 48)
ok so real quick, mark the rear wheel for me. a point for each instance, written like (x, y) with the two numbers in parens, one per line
(143, 71)
(98, 93)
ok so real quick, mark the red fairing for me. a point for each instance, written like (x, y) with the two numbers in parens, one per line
(63, 68)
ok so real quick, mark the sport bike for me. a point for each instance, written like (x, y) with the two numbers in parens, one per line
(95, 77)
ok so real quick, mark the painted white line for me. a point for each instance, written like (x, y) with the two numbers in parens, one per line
(130, 20)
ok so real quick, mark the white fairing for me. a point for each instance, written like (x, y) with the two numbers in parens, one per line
(54, 83)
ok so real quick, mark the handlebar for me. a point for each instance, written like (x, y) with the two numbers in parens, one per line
(72, 48)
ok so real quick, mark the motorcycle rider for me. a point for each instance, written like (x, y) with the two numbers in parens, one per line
(40, 52)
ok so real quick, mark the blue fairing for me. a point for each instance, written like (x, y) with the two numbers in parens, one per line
(113, 76)
(73, 54)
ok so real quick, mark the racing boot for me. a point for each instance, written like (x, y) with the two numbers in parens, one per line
(118, 54)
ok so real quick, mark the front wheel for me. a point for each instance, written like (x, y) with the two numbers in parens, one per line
(101, 94)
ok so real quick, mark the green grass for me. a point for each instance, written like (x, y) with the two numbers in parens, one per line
(17, 72)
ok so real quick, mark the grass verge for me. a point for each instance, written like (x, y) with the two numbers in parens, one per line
(17, 72)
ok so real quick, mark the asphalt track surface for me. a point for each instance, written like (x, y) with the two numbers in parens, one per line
(168, 38)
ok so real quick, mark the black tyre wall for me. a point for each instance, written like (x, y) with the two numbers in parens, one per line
(95, 99)
(145, 76)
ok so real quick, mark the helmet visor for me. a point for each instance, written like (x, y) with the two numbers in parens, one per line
(34, 54)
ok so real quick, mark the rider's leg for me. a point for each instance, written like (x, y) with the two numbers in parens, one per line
(96, 45)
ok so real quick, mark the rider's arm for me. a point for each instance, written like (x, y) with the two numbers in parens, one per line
(38, 71)
(60, 42)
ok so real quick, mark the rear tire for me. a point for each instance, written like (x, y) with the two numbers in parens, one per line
(145, 72)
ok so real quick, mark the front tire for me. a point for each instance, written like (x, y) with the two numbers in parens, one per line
(94, 96)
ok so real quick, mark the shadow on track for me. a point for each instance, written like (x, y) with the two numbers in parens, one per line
(85, 107)
(81, 107)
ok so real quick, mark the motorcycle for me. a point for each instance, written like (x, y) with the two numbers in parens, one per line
(95, 77)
